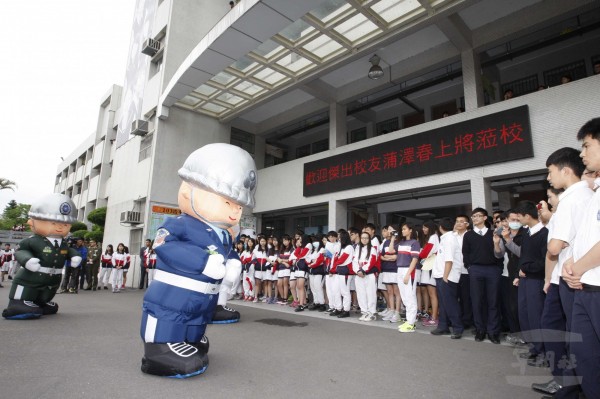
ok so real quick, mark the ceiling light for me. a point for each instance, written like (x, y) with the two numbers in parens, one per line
(375, 72)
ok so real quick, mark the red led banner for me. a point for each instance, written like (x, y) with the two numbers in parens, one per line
(500, 137)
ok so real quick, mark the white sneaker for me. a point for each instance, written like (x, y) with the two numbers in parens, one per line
(388, 316)
(362, 318)
(395, 318)
(385, 312)
(370, 317)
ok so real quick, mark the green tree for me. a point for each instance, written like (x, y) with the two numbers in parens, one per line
(78, 226)
(98, 217)
(6, 184)
(14, 214)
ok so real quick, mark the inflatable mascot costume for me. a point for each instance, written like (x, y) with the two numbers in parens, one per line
(43, 256)
(195, 253)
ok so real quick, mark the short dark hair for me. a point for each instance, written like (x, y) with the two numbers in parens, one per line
(567, 157)
(354, 230)
(591, 128)
(446, 224)
(479, 210)
(527, 208)
(332, 233)
(370, 226)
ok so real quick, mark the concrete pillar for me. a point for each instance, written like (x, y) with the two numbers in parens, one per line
(338, 215)
(480, 194)
(473, 88)
(259, 151)
(337, 126)
(370, 129)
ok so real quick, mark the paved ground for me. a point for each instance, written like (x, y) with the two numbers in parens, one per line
(92, 349)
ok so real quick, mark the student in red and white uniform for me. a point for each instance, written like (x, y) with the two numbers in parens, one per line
(343, 275)
(332, 248)
(119, 260)
(7, 255)
(272, 275)
(105, 267)
(261, 262)
(151, 265)
(284, 268)
(126, 268)
(301, 257)
(248, 270)
(316, 268)
(430, 242)
(389, 276)
(407, 257)
(364, 265)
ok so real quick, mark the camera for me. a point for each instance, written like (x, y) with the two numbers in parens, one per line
(395, 233)
(498, 231)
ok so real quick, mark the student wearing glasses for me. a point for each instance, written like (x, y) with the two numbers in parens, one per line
(485, 271)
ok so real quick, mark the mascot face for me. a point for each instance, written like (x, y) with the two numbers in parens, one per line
(49, 229)
(209, 207)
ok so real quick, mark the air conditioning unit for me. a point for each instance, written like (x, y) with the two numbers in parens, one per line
(151, 47)
(131, 217)
(139, 127)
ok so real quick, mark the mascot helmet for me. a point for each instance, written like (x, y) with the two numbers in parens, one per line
(54, 208)
(224, 169)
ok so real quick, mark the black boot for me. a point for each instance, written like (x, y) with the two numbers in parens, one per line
(48, 307)
(20, 310)
(202, 345)
(225, 315)
(175, 360)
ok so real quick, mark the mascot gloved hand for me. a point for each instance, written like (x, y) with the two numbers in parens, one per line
(43, 255)
(194, 256)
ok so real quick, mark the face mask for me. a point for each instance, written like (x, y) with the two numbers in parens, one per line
(515, 225)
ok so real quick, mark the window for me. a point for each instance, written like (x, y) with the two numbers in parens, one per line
(575, 70)
(387, 126)
(438, 111)
(135, 241)
(357, 135)
(303, 151)
(320, 146)
(525, 85)
(243, 140)
(145, 147)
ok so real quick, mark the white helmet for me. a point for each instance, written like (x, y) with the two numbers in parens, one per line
(224, 169)
(54, 208)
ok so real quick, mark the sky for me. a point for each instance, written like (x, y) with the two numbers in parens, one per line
(59, 59)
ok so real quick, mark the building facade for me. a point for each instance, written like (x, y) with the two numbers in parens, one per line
(297, 84)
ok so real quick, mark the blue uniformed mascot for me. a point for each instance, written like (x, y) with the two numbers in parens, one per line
(195, 255)
(43, 256)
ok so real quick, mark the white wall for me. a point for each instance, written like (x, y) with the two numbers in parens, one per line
(556, 114)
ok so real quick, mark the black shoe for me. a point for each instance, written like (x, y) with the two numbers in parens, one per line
(551, 387)
(88, 289)
(300, 308)
(495, 338)
(178, 360)
(539, 361)
(22, 310)
(10, 277)
(335, 312)
(202, 345)
(527, 355)
(437, 331)
(456, 335)
(314, 306)
(105, 288)
(343, 315)
(479, 336)
(322, 308)
(225, 315)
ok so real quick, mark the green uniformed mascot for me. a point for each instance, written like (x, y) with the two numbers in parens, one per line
(43, 256)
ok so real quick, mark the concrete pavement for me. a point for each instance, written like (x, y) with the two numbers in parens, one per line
(92, 349)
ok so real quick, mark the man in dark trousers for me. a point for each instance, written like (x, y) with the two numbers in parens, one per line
(484, 272)
(144, 252)
(531, 281)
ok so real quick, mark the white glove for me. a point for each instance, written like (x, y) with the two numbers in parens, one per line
(33, 265)
(234, 268)
(214, 267)
(75, 261)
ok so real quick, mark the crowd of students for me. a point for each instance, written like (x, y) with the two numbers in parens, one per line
(532, 271)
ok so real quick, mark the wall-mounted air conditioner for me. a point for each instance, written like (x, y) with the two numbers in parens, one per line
(139, 127)
(151, 47)
(131, 217)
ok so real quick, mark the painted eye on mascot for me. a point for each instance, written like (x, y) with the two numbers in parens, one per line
(250, 181)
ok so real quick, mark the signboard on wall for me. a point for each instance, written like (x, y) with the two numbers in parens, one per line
(158, 216)
(500, 137)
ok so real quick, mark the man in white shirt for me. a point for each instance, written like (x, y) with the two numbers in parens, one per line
(447, 273)
(565, 169)
(461, 225)
(582, 273)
